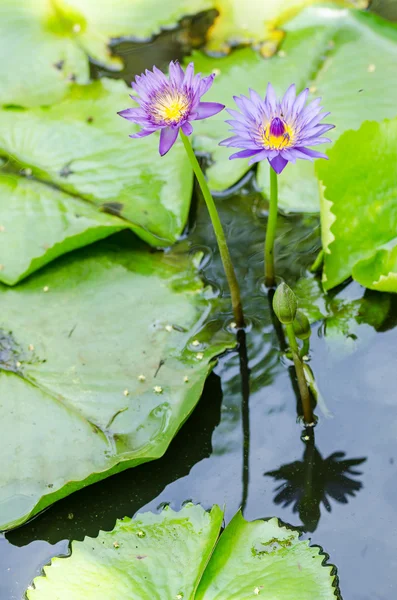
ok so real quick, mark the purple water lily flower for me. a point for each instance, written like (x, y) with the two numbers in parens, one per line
(279, 130)
(170, 103)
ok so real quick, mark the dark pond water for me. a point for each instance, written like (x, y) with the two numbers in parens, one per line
(243, 446)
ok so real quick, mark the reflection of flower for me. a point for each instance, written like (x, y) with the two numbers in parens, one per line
(277, 130)
(170, 103)
(312, 480)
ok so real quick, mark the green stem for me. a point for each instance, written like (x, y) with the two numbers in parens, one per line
(305, 348)
(271, 230)
(300, 374)
(219, 233)
(318, 263)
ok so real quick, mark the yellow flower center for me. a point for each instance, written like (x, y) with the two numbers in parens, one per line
(278, 142)
(170, 106)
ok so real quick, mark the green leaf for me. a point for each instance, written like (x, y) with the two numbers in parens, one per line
(256, 22)
(363, 92)
(150, 556)
(166, 556)
(74, 340)
(266, 559)
(42, 56)
(82, 147)
(342, 312)
(104, 21)
(359, 208)
(379, 271)
(39, 223)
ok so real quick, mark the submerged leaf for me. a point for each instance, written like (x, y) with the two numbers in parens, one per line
(96, 349)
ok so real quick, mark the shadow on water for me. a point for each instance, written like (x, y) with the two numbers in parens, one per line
(309, 482)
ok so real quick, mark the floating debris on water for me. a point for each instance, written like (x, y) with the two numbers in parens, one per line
(158, 389)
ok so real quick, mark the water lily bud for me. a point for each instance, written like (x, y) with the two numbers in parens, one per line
(284, 304)
(301, 326)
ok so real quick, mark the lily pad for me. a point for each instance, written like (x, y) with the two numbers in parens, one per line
(43, 57)
(256, 22)
(379, 272)
(81, 147)
(98, 372)
(169, 556)
(104, 21)
(359, 208)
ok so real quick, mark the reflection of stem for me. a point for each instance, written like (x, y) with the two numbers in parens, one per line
(300, 374)
(219, 233)
(245, 390)
(271, 231)
(308, 438)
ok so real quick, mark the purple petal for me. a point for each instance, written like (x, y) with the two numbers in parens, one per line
(142, 133)
(271, 99)
(189, 75)
(187, 128)
(167, 139)
(205, 84)
(288, 100)
(176, 73)
(245, 154)
(208, 109)
(236, 115)
(269, 154)
(278, 163)
(256, 99)
(245, 105)
(132, 114)
(312, 153)
(300, 101)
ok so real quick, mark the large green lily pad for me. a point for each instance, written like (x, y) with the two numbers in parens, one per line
(319, 43)
(75, 340)
(169, 556)
(359, 208)
(81, 146)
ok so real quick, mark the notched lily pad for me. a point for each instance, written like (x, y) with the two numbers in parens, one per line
(169, 556)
